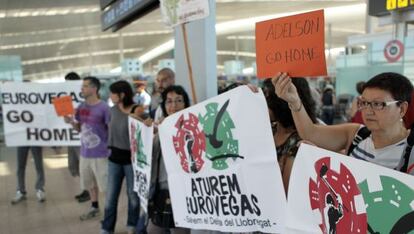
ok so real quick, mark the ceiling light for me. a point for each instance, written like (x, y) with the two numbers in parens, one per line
(76, 56)
(48, 11)
(159, 50)
(241, 38)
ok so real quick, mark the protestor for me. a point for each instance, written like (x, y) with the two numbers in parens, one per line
(328, 104)
(285, 134)
(165, 78)
(22, 154)
(174, 99)
(355, 114)
(91, 119)
(155, 99)
(409, 116)
(73, 154)
(119, 164)
(142, 97)
(384, 102)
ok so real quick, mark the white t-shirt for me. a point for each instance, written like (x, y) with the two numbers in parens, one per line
(158, 114)
(143, 99)
(390, 156)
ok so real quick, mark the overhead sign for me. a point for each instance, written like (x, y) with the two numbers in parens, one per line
(182, 11)
(29, 115)
(218, 177)
(105, 3)
(383, 7)
(293, 44)
(123, 12)
(393, 50)
(333, 193)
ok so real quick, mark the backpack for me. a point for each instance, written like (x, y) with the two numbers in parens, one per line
(364, 132)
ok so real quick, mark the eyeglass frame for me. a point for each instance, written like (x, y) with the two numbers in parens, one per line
(378, 108)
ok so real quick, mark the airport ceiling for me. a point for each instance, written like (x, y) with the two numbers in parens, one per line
(54, 37)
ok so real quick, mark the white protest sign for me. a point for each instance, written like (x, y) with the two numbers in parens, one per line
(140, 137)
(29, 115)
(175, 12)
(222, 165)
(333, 193)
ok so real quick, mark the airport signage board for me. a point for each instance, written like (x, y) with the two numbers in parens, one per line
(383, 7)
(123, 12)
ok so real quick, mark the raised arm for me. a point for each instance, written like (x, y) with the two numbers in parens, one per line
(333, 138)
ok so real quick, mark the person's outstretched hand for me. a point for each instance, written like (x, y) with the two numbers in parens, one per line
(285, 89)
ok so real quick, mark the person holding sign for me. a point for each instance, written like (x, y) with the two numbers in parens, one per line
(119, 164)
(284, 130)
(73, 154)
(383, 140)
(91, 119)
(22, 154)
(174, 99)
(165, 79)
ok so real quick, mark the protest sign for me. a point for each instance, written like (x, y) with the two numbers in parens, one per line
(175, 12)
(63, 106)
(222, 165)
(29, 115)
(140, 137)
(293, 44)
(333, 193)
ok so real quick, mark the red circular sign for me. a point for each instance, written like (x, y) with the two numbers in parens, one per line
(393, 50)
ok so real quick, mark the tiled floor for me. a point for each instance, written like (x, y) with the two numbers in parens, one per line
(60, 213)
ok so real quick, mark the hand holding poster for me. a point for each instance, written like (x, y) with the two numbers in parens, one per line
(222, 165)
(30, 117)
(293, 44)
(63, 106)
(332, 193)
(140, 137)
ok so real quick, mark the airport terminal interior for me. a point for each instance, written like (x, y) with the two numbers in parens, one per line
(41, 41)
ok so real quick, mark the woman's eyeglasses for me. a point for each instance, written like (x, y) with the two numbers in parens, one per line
(375, 105)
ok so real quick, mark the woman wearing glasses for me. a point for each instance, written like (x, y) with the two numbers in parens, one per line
(383, 103)
(174, 99)
(285, 135)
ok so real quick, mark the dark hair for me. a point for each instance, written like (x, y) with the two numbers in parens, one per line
(329, 199)
(268, 87)
(178, 90)
(124, 87)
(94, 82)
(280, 107)
(360, 87)
(168, 72)
(231, 86)
(72, 76)
(396, 84)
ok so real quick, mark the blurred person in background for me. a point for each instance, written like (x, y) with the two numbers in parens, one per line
(74, 152)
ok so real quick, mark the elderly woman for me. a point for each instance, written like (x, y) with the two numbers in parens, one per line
(384, 102)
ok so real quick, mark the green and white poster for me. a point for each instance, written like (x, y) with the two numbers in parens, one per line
(333, 193)
(140, 137)
(222, 166)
